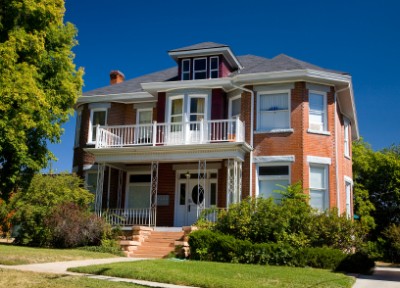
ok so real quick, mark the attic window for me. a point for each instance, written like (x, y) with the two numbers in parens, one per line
(214, 65)
(200, 68)
(185, 69)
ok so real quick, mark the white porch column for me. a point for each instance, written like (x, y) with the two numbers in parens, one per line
(119, 191)
(234, 182)
(153, 194)
(201, 186)
(99, 190)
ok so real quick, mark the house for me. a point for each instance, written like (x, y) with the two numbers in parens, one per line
(159, 149)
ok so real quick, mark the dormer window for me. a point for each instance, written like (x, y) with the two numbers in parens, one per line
(200, 68)
(185, 69)
(214, 67)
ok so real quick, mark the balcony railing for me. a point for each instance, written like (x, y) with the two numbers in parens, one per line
(193, 132)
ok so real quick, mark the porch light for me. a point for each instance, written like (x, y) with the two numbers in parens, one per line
(187, 175)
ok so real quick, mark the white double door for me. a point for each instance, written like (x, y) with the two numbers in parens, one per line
(190, 196)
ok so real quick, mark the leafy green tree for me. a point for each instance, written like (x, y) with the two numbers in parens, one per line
(38, 201)
(39, 84)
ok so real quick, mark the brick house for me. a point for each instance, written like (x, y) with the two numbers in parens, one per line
(158, 149)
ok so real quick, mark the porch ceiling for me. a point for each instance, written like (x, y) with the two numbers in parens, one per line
(175, 153)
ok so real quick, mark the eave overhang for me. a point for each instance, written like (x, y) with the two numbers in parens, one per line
(172, 153)
(126, 98)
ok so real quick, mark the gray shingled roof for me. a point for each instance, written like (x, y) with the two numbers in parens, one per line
(204, 45)
(251, 64)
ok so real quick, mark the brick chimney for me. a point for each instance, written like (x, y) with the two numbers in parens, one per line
(116, 77)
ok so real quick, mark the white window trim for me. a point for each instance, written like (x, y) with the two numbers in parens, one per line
(230, 105)
(325, 130)
(217, 69)
(199, 71)
(346, 138)
(348, 181)
(170, 99)
(195, 95)
(277, 130)
(91, 121)
(272, 160)
(185, 72)
(274, 177)
(326, 176)
(319, 160)
(78, 126)
(138, 111)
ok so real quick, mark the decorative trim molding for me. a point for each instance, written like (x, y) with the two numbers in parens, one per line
(100, 105)
(319, 160)
(349, 180)
(269, 159)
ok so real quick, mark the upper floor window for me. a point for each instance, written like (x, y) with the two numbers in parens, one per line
(317, 112)
(271, 179)
(97, 117)
(235, 107)
(214, 67)
(346, 138)
(200, 68)
(273, 111)
(185, 69)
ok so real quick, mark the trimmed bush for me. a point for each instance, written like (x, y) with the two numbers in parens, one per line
(212, 246)
(357, 263)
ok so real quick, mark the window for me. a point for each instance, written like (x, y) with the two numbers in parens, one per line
(91, 181)
(138, 194)
(273, 111)
(235, 107)
(214, 67)
(144, 116)
(317, 112)
(185, 69)
(319, 187)
(348, 199)
(196, 111)
(200, 68)
(78, 127)
(269, 179)
(97, 117)
(176, 115)
(346, 138)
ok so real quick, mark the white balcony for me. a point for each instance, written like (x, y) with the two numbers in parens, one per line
(186, 133)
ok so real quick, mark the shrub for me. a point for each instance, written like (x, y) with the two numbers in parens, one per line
(357, 263)
(70, 225)
(392, 247)
(37, 202)
(213, 246)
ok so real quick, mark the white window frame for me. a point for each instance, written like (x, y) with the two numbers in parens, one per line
(325, 167)
(92, 111)
(185, 72)
(170, 99)
(348, 183)
(272, 92)
(140, 110)
(199, 71)
(78, 127)
(138, 184)
(230, 106)
(346, 138)
(87, 180)
(214, 70)
(272, 177)
(325, 112)
(194, 95)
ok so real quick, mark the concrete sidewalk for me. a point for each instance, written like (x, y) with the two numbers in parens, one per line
(61, 268)
(383, 277)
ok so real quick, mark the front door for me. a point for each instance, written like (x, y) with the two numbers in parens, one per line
(191, 196)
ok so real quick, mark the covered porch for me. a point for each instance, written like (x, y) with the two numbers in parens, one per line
(157, 186)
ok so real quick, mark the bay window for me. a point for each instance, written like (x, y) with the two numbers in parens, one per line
(273, 111)
(97, 117)
(317, 112)
(319, 198)
(270, 179)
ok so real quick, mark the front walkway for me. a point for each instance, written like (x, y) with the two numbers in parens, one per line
(383, 277)
(61, 268)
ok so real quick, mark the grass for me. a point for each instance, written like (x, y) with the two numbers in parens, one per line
(212, 274)
(17, 255)
(19, 279)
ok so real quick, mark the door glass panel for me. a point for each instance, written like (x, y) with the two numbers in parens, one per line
(213, 194)
(197, 197)
(182, 194)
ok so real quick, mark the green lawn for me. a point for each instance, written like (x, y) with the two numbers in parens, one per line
(19, 279)
(212, 274)
(16, 255)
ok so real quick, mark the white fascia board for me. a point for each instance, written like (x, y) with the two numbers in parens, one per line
(122, 98)
(155, 87)
(292, 75)
(319, 160)
(272, 159)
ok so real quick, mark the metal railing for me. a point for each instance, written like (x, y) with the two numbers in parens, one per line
(191, 132)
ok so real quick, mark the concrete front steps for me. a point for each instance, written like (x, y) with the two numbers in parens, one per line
(147, 243)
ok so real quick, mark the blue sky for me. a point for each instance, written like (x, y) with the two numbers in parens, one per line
(359, 37)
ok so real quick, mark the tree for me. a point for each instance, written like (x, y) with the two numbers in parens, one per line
(377, 184)
(39, 84)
